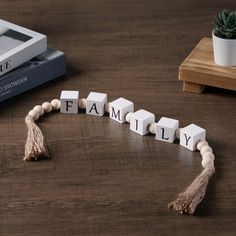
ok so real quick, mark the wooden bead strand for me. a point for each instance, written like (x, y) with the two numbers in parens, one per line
(39, 109)
(152, 128)
(34, 114)
(207, 154)
(47, 106)
(201, 144)
(128, 116)
(82, 103)
(56, 104)
(186, 202)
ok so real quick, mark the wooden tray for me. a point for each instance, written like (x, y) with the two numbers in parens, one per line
(199, 70)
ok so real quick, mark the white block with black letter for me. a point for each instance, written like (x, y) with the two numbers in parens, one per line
(191, 135)
(166, 128)
(119, 108)
(140, 120)
(69, 101)
(96, 104)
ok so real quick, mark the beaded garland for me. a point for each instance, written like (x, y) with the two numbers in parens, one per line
(36, 146)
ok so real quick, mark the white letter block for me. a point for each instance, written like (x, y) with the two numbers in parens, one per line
(166, 128)
(69, 101)
(119, 108)
(140, 120)
(191, 135)
(96, 104)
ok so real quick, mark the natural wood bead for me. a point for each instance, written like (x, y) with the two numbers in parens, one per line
(47, 106)
(56, 104)
(82, 103)
(201, 144)
(205, 149)
(207, 161)
(152, 128)
(34, 114)
(208, 155)
(177, 133)
(128, 116)
(107, 107)
(39, 109)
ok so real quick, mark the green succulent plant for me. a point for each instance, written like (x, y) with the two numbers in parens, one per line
(225, 25)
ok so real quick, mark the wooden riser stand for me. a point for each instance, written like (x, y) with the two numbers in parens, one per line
(199, 70)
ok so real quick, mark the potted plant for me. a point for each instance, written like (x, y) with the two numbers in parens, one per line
(224, 38)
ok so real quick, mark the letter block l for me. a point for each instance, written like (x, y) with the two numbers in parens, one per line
(166, 128)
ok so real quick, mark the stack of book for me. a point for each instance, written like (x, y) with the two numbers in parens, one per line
(25, 60)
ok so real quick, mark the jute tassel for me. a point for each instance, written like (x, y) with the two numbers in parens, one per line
(187, 201)
(36, 145)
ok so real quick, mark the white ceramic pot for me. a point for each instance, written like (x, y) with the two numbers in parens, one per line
(224, 51)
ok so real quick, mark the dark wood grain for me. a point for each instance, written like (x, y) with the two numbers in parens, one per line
(102, 178)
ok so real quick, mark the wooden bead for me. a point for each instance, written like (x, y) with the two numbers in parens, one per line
(205, 149)
(34, 114)
(47, 106)
(207, 161)
(177, 133)
(128, 116)
(82, 103)
(107, 107)
(39, 109)
(56, 104)
(152, 128)
(208, 155)
(201, 144)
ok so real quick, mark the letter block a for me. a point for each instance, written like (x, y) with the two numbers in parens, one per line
(119, 108)
(191, 135)
(96, 104)
(69, 101)
(140, 120)
(166, 128)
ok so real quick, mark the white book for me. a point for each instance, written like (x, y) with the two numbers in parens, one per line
(18, 45)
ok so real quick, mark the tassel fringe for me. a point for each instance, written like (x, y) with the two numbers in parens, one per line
(187, 201)
(36, 146)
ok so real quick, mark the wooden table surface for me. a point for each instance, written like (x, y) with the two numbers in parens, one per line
(102, 178)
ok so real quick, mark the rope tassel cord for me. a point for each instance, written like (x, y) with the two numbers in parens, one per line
(36, 148)
(36, 145)
(194, 193)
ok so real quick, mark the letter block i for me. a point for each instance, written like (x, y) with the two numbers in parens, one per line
(96, 104)
(191, 135)
(140, 120)
(119, 108)
(69, 101)
(166, 128)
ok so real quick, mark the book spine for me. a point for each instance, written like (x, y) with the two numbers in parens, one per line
(31, 78)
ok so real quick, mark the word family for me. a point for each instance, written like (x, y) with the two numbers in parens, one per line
(141, 121)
